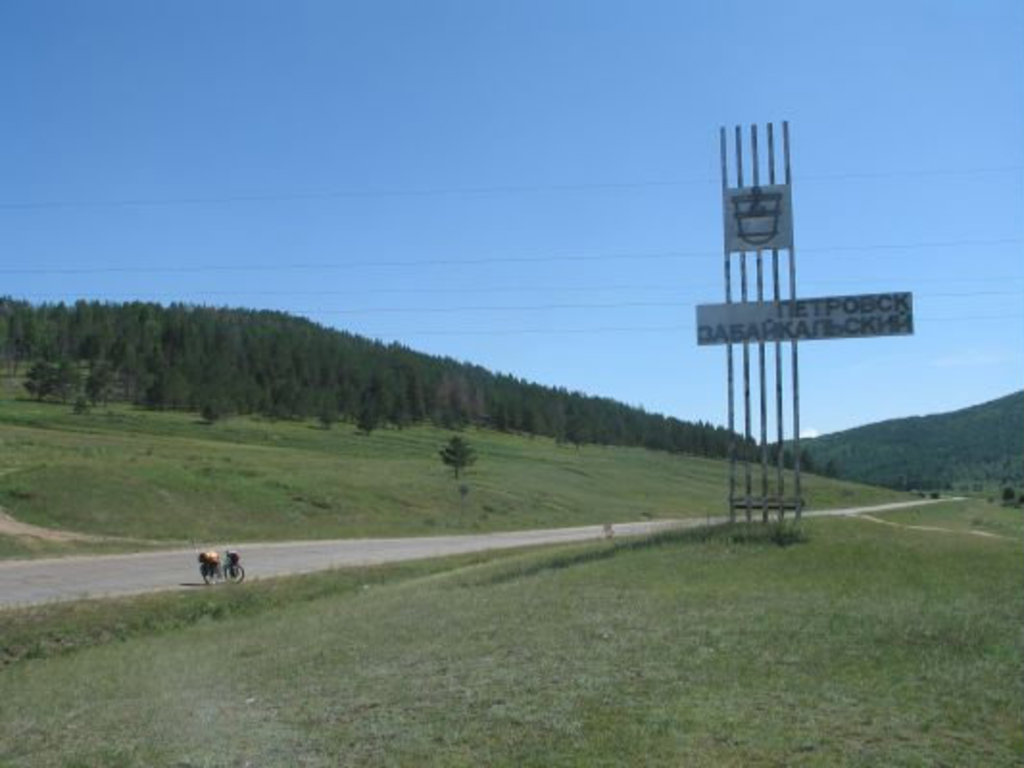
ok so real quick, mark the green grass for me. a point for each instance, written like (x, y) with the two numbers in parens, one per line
(861, 645)
(984, 517)
(55, 629)
(23, 547)
(168, 476)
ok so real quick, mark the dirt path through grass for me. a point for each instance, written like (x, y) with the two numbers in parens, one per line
(11, 527)
(935, 528)
(26, 582)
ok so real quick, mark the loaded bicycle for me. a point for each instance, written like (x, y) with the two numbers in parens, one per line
(212, 569)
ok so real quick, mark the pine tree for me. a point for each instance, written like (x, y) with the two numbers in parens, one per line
(457, 454)
(99, 383)
(41, 380)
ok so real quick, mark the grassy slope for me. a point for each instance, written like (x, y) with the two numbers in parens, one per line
(869, 645)
(154, 475)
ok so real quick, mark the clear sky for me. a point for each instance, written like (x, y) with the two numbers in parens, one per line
(533, 185)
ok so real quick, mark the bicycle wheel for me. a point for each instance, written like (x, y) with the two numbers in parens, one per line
(207, 573)
(235, 574)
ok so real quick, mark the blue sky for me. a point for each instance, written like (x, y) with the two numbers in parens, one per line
(530, 186)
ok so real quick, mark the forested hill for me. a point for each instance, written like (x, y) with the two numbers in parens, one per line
(978, 446)
(224, 361)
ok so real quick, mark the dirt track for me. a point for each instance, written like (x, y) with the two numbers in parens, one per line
(11, 527)
(27, 582)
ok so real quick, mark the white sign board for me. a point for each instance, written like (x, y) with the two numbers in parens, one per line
(758, 218)
(828, 317)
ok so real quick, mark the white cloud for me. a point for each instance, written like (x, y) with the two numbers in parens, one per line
(809, 433)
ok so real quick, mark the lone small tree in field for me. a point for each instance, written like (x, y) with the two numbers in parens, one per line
(457, 454)
(328, 415)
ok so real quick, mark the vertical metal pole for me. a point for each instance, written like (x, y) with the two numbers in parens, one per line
(748, 480)
(746, 346)
(780, 487)
(728, 347)
(755, 165)
(796, 360)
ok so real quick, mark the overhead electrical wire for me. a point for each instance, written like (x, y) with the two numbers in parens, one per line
(574, 306)
(679, 303)
(290, 197)
(622, 329)
(679, 291)
(487, 260)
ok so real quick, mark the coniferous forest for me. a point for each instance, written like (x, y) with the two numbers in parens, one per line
(221, 362)
(971, 449)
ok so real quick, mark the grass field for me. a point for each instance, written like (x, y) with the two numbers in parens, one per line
(865, 645)
(22, 547)
(984, 517)
(169, 477)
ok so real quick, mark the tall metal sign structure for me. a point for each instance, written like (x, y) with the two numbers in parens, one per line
(758, 220)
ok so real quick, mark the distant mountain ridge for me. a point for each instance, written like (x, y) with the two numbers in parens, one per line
(960, 450)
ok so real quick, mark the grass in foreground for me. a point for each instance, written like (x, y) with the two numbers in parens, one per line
(865, 645)
(57, 629)
(167, 476)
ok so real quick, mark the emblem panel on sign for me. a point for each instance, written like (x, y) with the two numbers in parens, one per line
(758, 218)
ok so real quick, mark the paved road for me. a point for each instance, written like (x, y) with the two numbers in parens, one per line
(27, 582)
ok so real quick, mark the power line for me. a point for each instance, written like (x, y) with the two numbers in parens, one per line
(574, 306)
(298, 197)
(962, 294)
(679, 303)
(683, 289)
(911, 246)
(349, 265)
(499, 308)
(286, 197)
(482, 261)
(626, 329)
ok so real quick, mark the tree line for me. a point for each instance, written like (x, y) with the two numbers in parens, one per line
(971, 449)
(221, 361)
